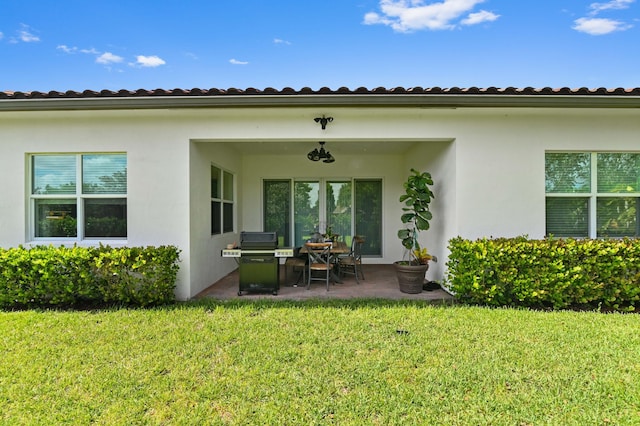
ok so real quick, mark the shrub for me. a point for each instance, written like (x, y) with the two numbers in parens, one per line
(45, 276)
(136, 275)
(70, 276)
(556, 273)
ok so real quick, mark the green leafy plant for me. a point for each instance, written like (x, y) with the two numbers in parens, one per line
(422, 255)
(45, 276)
(136, 275)
(416, 216)
(329, 235)
(548, 273)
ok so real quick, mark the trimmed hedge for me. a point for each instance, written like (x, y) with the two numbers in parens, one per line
(47, 276)
(549, 273)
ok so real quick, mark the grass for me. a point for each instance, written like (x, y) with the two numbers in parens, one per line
(357, 362)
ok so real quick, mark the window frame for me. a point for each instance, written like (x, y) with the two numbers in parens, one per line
(290, 219)
(226, 201)
(593, 195)
(79, 197)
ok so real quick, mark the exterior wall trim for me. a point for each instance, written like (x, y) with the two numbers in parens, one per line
(323, 100)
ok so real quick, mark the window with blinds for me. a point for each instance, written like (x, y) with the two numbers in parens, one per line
(79, 196)
(594, 195)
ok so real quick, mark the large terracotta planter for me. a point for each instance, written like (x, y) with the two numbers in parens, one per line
(410, 277)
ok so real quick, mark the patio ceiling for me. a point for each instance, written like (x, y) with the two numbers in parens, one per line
(335, 147)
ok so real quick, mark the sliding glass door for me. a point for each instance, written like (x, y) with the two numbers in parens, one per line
(346, 207)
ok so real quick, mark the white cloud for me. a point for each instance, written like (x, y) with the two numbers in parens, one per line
(599, 26)
(1, 35)
(412, 15)
(27, 37)
(108, 58)
(602, 26)
(479, 17)
(372, 18)
(149, 61)
(280, 41)
(71, 50)
(67, 49)
(610, 5)
(237, 62)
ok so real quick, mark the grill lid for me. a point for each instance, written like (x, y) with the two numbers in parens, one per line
(258, 240)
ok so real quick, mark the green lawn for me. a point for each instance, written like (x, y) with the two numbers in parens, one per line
(358, 362)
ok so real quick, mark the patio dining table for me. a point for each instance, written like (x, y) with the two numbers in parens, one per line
(337, 248)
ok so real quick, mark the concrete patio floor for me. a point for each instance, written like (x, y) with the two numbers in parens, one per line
(380, 283)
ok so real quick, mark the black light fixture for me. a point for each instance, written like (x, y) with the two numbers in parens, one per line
(323, 121)
(321, 154)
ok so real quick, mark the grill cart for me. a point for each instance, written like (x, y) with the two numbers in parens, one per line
(259, 261)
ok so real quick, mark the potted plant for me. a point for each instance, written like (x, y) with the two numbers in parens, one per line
(329, 235)
(416, 216)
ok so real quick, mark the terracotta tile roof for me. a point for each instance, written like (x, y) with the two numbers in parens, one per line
(508, 91)
(433, 97)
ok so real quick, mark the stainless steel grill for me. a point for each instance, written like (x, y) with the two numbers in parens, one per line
(259, 264)
(258, 240)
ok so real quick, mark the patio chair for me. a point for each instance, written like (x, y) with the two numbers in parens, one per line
(319, 262)
(297, 263)
(352, 263)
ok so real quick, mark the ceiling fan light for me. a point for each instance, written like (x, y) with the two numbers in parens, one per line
(321, 154)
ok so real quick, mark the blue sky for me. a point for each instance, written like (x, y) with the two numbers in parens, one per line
(147, 44)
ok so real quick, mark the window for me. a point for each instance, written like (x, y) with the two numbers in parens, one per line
(79, 196)
(297, 209)
(221, 201)
(592, 194)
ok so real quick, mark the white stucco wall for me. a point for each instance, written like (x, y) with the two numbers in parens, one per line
(438, 159)
(500, 162)
(157, 162)
(488, 165)
(206, 262)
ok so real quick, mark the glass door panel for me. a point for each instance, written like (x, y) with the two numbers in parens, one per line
(277, 210)
(338, 209)
(306, 212)
(368, 214)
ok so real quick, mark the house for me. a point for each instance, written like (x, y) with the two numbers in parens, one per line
(193, 168)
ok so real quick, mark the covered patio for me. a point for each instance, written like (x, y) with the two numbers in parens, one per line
(379, 283)
(276, 188)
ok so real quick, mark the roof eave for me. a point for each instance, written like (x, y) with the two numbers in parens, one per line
(335, 100)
